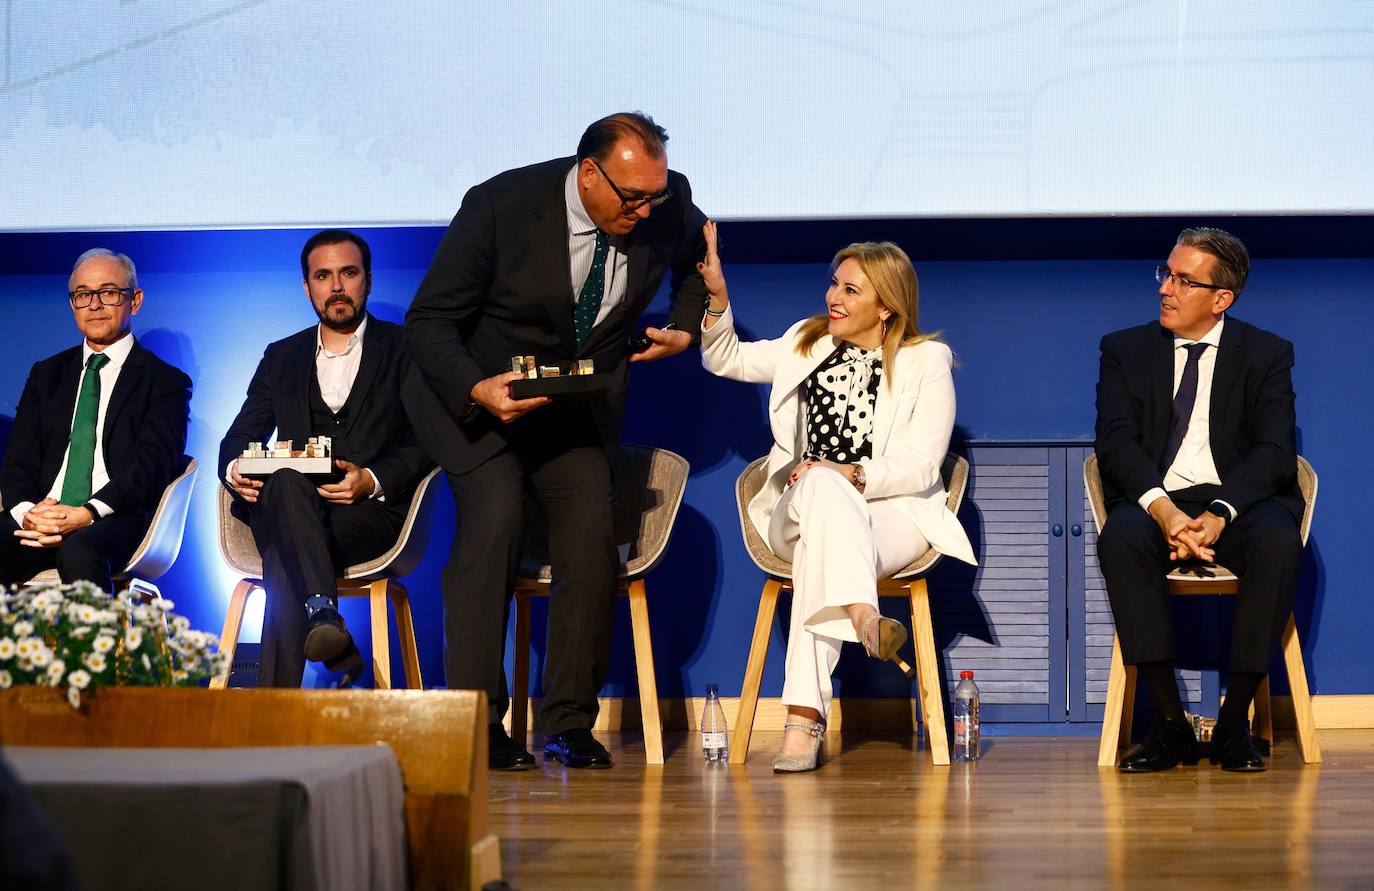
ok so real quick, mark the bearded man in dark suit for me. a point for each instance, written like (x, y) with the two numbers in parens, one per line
(1196, 447)
(556, 261)
(99, 433)
(341, 379)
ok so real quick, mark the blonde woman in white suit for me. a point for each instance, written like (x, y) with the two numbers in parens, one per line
(861, 408)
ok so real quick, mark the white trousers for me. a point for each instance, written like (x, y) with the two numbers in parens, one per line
(839, 546)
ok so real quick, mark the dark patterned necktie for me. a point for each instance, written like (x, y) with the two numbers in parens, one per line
(1184, 400)
(76, 485)
(589, 299)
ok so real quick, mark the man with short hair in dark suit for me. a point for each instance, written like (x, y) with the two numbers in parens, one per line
(99, 433)
(341, 379)
(556, 261)
(1196, 447)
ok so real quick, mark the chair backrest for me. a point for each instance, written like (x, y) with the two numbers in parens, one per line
(236, 543)
(1097, 500)
(162, 542)
(954, 471)
(649, 485)
(402, 557)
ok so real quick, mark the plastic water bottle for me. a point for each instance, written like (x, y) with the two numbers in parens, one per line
(966, 718)
(715, 742)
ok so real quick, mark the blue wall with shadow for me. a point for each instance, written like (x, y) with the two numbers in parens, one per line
(1022, 302)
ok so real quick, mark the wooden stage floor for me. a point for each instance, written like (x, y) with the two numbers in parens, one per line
(1034, 813)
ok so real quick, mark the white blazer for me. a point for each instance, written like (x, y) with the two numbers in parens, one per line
(912, 422)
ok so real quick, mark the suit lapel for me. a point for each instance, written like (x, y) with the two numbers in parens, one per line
(549, 227)
(795, 371)
(301, 365)
(1162, 384)
(130, 376)
(1224, 375)
(69, 381)
(890, 389)
(374, 348)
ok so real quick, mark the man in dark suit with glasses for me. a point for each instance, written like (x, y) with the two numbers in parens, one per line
(556, 261)
(1196, 447)
(99, 433)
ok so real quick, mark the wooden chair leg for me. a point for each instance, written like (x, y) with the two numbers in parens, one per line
(520, 676)
(753, 671)
(928, 674)
(233, 624)
(1262, 720)
(405, 627)
(381, 637)
(644, 664)
(1302, 699)
(1118, 710)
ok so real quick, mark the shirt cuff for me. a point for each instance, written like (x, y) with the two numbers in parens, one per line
(1149, 498)
(1228, 507)
(101, 508)
(229, 471)
(377, 492)
(17, 512)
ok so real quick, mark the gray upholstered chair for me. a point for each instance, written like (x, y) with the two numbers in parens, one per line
(161, 543)
(648, 492)
(909, 582)
(1195, 579)
(375, 579)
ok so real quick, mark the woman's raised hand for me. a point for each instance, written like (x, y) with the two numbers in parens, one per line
(710, 270)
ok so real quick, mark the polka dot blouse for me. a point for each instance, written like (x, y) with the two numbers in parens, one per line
(839, 397)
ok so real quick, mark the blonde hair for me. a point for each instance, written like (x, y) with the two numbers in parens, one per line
(893, 278)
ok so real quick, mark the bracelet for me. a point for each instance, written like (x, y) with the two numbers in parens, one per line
(713, 314)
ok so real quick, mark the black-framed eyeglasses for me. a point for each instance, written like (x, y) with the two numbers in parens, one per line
(627, 203)
(107, 296)
(1163, 274)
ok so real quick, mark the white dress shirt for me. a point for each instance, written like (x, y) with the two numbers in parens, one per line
(118, 354)
(1194, 464)
(582, 249)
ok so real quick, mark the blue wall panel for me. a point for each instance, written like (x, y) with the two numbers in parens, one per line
(1025, 332)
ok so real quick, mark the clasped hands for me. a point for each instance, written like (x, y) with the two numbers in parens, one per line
(48, 523)
(356, 485)
(1190, 538)
(845, 470)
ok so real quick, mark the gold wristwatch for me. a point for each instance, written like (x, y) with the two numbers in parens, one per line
(858, 479)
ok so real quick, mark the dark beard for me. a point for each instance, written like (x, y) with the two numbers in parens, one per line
(346, 325)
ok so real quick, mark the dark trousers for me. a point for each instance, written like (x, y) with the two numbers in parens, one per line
(305, 541)
(1262, 546)
(92, 554)
(570, 476)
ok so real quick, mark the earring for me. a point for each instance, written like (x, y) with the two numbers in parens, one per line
(884, 329)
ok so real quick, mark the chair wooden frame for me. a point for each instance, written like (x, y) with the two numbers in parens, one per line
(1209, 579)
(910, 583)
(375, 579)
(653, 518)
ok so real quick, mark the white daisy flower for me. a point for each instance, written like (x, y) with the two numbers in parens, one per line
(133, 638)
(41, 656)
(162, 604)
(7, 648)
(74, 697)
(56, 669)
(79, 679)
(96, 662)
(103, 643)
(86, 613)
(5, 680)
(180, 624)
(23, 629)
(26, 646)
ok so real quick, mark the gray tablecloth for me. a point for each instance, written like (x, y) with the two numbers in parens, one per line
(329, 817)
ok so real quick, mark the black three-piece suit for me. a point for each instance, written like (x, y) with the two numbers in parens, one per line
(142, 441)
(499, 286)
(1252, 437)
(304, 540)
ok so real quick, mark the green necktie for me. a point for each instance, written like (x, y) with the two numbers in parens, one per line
(76, 485)
(589, 300)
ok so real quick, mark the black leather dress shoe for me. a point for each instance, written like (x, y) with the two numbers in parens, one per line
(1170, 742)
(1234, 749)
(577, 748)
(504, 753)
(326, 638)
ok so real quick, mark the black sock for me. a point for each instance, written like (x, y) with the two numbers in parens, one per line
(1158, 678)
(1240, 692)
